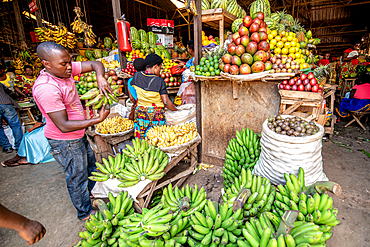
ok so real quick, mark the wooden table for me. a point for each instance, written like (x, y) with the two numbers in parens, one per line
(150, 188)
(26, 120)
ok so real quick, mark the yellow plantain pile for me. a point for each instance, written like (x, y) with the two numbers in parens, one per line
(114, 125)
(58, 34)
(110, 65)
(167, 136)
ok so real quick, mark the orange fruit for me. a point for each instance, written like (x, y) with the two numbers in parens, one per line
(285, 51)
(280, 44)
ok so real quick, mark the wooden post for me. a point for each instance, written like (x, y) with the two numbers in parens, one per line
(18, 19)
(38, 14)
(116, 15)
(198, 55)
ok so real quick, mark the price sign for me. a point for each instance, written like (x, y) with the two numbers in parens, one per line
(33, 7)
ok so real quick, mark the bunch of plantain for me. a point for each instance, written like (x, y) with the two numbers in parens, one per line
(243, 151)
(313, 207)
(114, 125)
(218, 225)
(146, 229)
(252, 193)
(110, 65)
(58, 34)
(144, 161)
(262, 232)
(188, 200)
(167, 136)
(109, 169)
(97, 100)
(104, 228)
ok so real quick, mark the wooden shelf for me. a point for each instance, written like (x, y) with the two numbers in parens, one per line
(218, 19)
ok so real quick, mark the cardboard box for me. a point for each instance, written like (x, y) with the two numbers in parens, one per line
(161, 39)
(168, 41)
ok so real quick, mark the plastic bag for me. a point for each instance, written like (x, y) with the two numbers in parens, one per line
(284, 154)
(184, 114)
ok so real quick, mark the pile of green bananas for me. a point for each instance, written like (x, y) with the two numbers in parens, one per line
(105, 227)
(188, 200)
(97, 100)
(109, 169)
(262, 232)
(313, 208)
(243, 151)
(253, 193)
(156, 198)
(212, 228)
(144, 161)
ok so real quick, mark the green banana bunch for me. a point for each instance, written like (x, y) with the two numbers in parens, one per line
(156, 198)
(105, 226)
(313, 208)
(146, 229)
(253, 193)
(187, 200)
(212, 228)
(262, 232)
(243, 151)
(92, 93)
(110, 168)
(143, 162)
(97, 100)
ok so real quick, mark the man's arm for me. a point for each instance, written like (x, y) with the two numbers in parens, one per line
(32, 231)
(167, 102)
(60, 119)
(98, 67)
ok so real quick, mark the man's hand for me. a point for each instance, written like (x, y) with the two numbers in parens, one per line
(103, 86)
(103, 114)
(32, 231)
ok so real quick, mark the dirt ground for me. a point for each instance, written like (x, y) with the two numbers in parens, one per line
(39, 192)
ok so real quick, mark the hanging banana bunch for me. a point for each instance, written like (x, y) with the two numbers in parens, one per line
(79, 26)
(58, 34)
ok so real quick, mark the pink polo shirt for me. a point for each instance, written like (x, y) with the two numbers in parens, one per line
(53, 94)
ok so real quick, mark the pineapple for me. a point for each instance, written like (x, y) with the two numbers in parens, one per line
(321, 73)
(284, 18)
(298, 30)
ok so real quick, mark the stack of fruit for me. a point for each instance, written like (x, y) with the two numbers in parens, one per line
(305, 82)
(132, 55)
(187, 200)
(171, 80)
(231, 6)
(109, 169)
(243, 151)
(295, 126)
(249, 50)
(209, 64)
(110, 65)
(207, 40)
(58, 34)
(26, 57)
(88, 81)
(284, 64)
(92, 55)
(179, 50)
(129, 69)
(104, 227)
(114, 125)
(167, 136)
(97, 100)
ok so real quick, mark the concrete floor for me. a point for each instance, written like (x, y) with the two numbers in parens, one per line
(39, 192)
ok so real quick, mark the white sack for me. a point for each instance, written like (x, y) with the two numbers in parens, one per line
(284, 154)
(184, 114)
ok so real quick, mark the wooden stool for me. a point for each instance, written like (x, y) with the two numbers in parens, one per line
(357, 117)
(348, 81)
(27, 110)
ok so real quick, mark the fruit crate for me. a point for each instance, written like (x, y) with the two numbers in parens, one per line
(218, 19)
(293, 101)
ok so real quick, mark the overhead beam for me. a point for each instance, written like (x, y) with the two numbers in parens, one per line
(336, 4)
(150, 5)
(342, 33)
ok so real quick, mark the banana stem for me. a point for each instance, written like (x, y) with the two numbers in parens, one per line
(102, 206)
(322, 186)
(241, 199)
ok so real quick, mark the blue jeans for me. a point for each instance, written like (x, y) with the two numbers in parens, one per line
(78, 161)
(9, 112)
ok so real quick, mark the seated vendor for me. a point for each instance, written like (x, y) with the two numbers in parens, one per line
(25, 82)
(152, 96)
(359, 98)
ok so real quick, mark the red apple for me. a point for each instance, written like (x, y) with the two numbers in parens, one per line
(263, 35)
(299, 81)
(285, 82)
(294, 87)
(243, 31)
(306, 81)
(300, 87)
(247, 21)
(227, 68)
(257, 20)
(291, 82)
(263, 24)
(313, 81)
(287, 87)
(163, 75)
(254, 27)
(281, 86)
(315, 88)
(260, 15)
(310, 76)
(166, 80)
(308, 87)
(303, 76)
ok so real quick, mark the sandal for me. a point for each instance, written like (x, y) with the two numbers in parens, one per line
(4, 164)
(92, 212)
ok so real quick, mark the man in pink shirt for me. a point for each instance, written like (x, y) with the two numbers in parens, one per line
(56, 95)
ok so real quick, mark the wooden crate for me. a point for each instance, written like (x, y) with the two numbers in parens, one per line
(218, 19)
(293, 101)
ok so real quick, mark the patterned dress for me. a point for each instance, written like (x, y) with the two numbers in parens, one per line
(24, 83)
(346, 69)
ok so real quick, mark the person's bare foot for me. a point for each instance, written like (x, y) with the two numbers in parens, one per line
(92, 212)
(23, 161)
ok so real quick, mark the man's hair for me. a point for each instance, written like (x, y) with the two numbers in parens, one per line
(45, 49)
(153, 59)
(27, 67)
(191, 44)
(139, 64)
